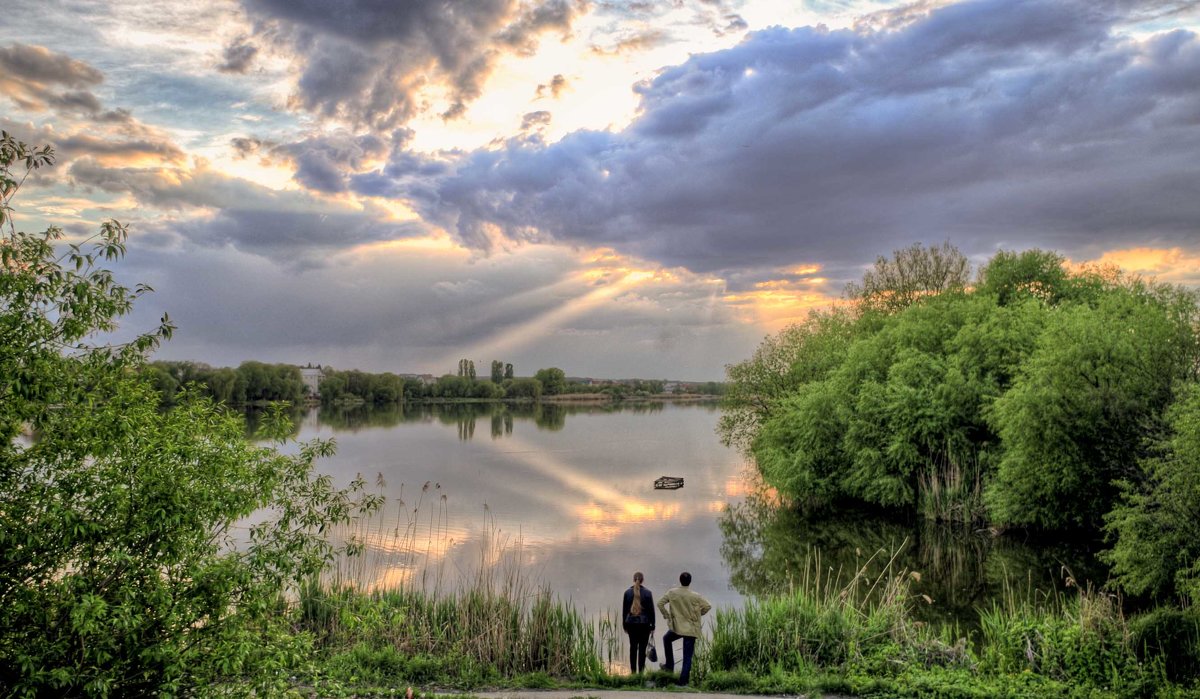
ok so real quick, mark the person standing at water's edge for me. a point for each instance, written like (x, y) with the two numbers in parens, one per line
(637, 615)
(682, 609)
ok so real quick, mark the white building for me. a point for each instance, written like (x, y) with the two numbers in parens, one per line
(312, 378)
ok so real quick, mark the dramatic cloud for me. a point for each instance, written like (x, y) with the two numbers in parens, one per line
(418, 305)
(294, 195)
(368, 62)
(323, 162)
(989, 123)
(36, 78)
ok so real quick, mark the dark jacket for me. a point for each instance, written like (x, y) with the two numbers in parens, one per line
(647, 616)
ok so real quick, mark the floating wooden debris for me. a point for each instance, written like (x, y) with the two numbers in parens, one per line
(668, 483)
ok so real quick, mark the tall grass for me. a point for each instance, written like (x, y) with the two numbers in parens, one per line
(950, 489)
(394, 609)
(827, 619)
(1078, 637)
(492, 624)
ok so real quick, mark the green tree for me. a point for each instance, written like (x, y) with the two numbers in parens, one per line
(523, 388)
(1031, 273)
(120, 570)
(1073, 422)
(783, 362)
(911, 274)
(497, 371)
(553, 380)
(1156, 526)
(508, 371)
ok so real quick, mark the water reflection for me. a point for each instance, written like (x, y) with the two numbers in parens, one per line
(565, 491)
(766, 548)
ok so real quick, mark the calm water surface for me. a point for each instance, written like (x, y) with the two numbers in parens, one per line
(565, 495)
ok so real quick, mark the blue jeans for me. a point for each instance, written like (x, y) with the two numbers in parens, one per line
(689, 646)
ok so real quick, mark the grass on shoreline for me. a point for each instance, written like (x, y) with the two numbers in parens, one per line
(848, 632)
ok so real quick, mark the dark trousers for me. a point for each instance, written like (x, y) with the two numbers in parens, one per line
(639, 635)
(689, 646)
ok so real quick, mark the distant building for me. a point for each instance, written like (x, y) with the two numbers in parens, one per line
(426, 379)
(311, 376)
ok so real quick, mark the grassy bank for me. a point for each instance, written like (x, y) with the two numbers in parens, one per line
(851, 632)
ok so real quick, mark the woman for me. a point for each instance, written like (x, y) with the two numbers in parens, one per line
(637, 613)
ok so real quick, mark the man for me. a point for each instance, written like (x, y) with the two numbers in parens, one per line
(682, 609)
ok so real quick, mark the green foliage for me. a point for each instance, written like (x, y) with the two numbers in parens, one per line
(523, 388)
(798, 355)
(553, 380)
(1012, 276)
(142, 551)
(1025, 401)
(1073, 422)
(1172, 634)
(1082, 640)
(1156, 526)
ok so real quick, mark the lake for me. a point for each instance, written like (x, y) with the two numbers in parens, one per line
(564, 495)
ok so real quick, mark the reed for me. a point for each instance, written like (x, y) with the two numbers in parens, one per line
(393, 608)
(828, 619)
(850, 630)
(1080, 637)
(950, 489)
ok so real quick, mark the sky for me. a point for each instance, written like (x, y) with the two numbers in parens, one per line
(640, 188)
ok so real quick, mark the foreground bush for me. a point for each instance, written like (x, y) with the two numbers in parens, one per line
(142, 552)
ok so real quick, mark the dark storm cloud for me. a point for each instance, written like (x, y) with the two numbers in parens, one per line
(988, 123)
(366, 61)
(237, 56)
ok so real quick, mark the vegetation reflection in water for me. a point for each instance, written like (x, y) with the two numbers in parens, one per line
(463, 416)
(768, 548)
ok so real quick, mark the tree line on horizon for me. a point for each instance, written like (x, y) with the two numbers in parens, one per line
(1032, 395)
(257, 383)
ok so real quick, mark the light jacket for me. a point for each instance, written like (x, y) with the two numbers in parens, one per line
(682, 609)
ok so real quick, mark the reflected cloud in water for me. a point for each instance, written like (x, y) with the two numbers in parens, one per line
(562, 493)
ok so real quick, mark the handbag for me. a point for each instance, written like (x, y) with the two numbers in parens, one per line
(651, 651)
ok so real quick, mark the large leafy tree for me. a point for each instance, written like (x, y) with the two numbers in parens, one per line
(1025, 400)
(142, 551)
(553, 380)
(1156, 526)
(1075, 421)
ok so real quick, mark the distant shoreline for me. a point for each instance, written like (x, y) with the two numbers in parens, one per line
(566, 398)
